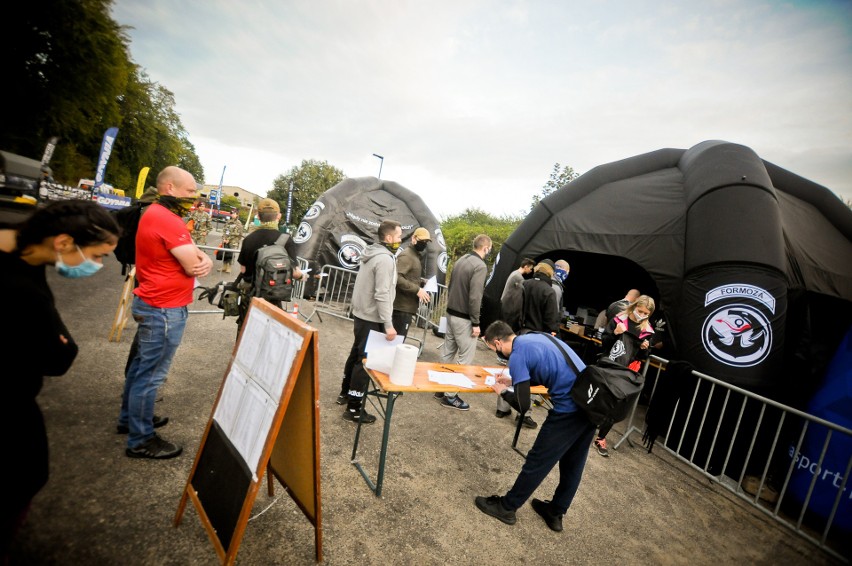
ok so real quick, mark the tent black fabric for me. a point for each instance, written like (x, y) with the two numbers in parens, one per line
(722, 239)
(344, 219)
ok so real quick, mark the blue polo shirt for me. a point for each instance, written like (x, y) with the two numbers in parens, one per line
(538, 360)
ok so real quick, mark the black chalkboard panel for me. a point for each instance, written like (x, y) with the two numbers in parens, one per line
(221, 481)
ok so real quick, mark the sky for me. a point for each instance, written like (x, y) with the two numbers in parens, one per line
(471, 103)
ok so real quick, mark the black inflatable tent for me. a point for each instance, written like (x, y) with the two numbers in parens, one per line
(344, 219)
(746, 259)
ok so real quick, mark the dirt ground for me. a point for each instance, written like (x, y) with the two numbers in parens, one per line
(101, 507)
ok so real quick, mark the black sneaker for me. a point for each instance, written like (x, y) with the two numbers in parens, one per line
(454, 403)
(342, 399)
(492, 506)
(502, 414)
(155, 448)
(158, 422)
(362, 417)
(528, 422)
(438, 396)
(553, 520)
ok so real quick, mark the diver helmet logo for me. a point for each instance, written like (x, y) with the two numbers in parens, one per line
(737, 335)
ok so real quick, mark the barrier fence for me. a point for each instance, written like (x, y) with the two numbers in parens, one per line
(792, 466)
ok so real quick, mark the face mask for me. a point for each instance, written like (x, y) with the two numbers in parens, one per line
(179, 205)
(502, 356)
(562, 275)
(421, 245)
(639, 317)
(392, 247)
(85, 269)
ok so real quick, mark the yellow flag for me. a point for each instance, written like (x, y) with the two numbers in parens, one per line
(140, 184)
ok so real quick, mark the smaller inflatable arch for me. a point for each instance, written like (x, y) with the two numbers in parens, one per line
(344, 219)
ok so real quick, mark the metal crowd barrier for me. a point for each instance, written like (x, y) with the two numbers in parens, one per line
(727, 434)
(429, 316)
(334, 292)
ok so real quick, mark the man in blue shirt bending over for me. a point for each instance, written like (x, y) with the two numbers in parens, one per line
(565, 436)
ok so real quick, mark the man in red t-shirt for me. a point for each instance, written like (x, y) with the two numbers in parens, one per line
(167, 263)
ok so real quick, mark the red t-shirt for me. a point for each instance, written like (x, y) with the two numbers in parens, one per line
(162, 280)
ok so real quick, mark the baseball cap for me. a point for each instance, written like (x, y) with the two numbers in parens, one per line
(422, 234)
(268, 205)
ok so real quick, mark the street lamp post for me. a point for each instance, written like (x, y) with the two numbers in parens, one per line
(381, 162)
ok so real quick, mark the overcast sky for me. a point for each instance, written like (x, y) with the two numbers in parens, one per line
(472, 102)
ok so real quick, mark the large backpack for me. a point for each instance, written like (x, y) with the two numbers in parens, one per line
(606, 390)
(273, 275)
(128, 219)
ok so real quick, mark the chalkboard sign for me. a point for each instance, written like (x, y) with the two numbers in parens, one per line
(272, 382)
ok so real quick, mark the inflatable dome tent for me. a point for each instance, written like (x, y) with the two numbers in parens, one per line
(750, 264)
(344, 219)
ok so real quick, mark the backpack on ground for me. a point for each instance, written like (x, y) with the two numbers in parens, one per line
(605, 390)
(128, 219)
(273, 275)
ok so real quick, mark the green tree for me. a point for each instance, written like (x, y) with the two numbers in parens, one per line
(559, 177)
(310, 179)
(73, 78)
(460, 230)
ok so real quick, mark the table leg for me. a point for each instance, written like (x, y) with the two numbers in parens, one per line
(388, 413)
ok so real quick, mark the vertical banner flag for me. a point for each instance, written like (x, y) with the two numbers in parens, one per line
(106, 149)
(140, 183)
(48, 150)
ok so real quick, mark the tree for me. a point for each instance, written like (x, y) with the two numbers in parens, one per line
(73, 78)
(459, 232)
(310, 179)
(559, 177)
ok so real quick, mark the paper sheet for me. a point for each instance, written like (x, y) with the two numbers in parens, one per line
(378, 341)
(431, 285)
(451, 378)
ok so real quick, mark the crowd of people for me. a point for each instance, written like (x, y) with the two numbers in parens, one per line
(73, 236)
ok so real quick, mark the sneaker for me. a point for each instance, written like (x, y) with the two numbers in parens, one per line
(528, 422)
(362, 417)
(438, 396)
(342, 399)
(502, 414)
(553, 520)
(155, 448)
(768, 493)
(492, 506)
(455, 403)
(158, 422)
(600, 444)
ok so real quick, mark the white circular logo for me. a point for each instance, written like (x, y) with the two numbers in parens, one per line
(314, 210)
(303, 233)
(737, 335)
(349, 255)
(443, 259)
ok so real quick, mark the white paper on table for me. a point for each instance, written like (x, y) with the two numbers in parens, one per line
(381, 359)
(431, 285)
(379, 340)
(498, 371)
(451, 378)
(489, 380)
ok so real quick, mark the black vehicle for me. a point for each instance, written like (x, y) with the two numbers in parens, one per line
(20, 178)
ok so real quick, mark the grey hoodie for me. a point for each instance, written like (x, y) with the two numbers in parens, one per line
(375, 286)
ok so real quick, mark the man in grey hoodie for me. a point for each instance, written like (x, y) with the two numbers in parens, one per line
(372, 309)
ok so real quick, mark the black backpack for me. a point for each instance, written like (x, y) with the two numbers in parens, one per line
(273, 275)
(128, 219)
(605, 390)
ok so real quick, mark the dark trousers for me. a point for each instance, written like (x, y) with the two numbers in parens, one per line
(563, 438)
(402, 322)
(355, 383)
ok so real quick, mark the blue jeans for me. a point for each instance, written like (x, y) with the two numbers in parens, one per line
(563, 438)
(159, 334)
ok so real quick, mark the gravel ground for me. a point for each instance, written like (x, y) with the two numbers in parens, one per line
(101, 507)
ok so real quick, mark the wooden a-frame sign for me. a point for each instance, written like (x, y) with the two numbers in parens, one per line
(272, 383)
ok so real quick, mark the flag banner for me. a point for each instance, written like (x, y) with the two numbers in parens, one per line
(106, 149)
(140, 183)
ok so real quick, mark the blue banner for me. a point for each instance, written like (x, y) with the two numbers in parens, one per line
(106, 149)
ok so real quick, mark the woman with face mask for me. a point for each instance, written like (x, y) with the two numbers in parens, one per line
(627, 340)
(72, 237)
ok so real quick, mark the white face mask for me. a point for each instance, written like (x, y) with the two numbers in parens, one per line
(639, 317)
